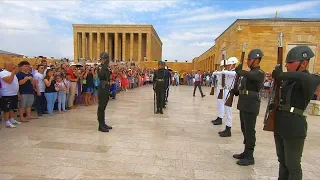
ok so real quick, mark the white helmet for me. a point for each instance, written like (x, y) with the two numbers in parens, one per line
(222, 63)
(232, 60)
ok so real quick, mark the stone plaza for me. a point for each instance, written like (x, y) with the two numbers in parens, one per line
(180, 144)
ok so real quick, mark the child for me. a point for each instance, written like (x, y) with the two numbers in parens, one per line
(113, 90)
(61, 88)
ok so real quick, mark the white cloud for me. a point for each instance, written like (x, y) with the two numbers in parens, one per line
(204, 44)
(189, 36)
(269, 10)
(186, 28)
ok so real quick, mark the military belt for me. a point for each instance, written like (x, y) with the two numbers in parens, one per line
(160, 80)
(246, 92)
(291, 110)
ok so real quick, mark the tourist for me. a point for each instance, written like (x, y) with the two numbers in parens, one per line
(26, 90)
(9, 92)
(61, 88)
(50, 91)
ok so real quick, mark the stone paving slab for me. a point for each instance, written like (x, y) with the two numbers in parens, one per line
(180, 144)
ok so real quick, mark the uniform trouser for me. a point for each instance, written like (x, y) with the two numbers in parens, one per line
(167, 93)
(197, 84)
(228, 113)
(289, 152)
(220, 104)
(160, 96)
(248, 125)
(103, 99)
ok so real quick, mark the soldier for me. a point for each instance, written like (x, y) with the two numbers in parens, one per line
(103, 92)
(220, 102)
(229, 80)
(168, 82)
(249, 104)
(296, 90)
(159, 84)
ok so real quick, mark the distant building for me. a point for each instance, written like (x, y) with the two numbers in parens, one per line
(263, 34)
(122, 42)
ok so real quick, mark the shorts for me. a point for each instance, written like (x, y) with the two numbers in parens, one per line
(26, 101)
(9, 103)
(89, 90)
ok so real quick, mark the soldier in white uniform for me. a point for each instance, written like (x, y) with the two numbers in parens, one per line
(229, 83)
(220, 102)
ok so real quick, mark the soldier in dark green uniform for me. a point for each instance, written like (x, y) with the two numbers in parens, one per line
(159, 79)
(103, 91)
(296, 90)
(249, 104)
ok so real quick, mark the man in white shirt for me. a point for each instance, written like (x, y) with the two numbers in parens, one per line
(9, 91)
(40, 88)
(229, 83)
(220, 102)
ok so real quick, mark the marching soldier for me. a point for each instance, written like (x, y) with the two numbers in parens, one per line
(220, 102)
(159, 84)
(229, 80)
(103, 92)
(296, 90)
(168, 86)
(249, 104)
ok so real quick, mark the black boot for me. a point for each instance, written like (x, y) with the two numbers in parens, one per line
(248, 160)
(108, 127)
(241, 155)
(158, 111)
(218, 121)
(103, 129)
(223, 130)
(161, 112)
(226, 133)
(214, 120)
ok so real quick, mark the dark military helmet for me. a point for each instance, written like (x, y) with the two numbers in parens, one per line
(255, 54)
(299, 53)
(104, 55)
(160, 63)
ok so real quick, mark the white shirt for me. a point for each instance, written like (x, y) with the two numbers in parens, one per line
(9, 89)
(40, 78)
(229, 78)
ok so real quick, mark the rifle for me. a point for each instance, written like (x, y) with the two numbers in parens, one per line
(220, 96)
(236, 80)
(212, 88)
(269, 118)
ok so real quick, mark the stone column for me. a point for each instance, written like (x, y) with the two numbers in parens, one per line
(149, 47)
(98, 45)
(75, 45)
(139, 46)
(123, 46)
(90, 46)
(83, 44)
(131, 46)
(106, 43)
(116, 46)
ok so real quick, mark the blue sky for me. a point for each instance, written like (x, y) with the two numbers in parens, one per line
(186, 28)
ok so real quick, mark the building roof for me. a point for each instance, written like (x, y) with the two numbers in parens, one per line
(9, 53)
(274, 20)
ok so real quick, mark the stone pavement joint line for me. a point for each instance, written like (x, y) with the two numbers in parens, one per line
(180, 144)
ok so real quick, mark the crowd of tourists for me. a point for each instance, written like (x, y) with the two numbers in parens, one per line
(57, 88)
